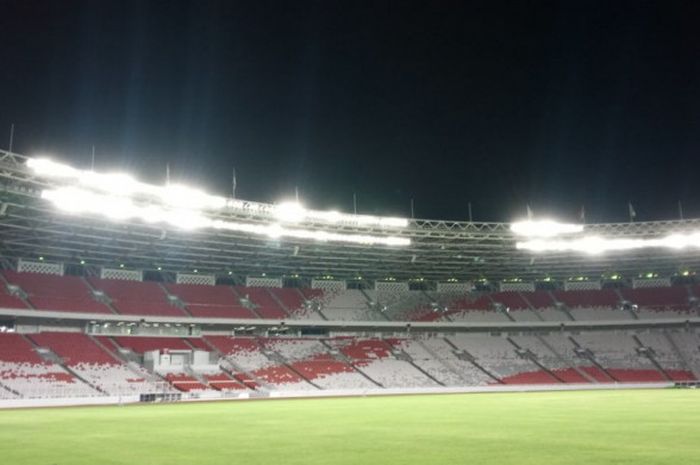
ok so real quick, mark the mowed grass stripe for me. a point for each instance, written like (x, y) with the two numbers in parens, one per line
(586, 427)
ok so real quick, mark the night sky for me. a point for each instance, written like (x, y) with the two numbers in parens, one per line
(552, 104)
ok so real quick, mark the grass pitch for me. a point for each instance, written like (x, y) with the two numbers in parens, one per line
(587, 427)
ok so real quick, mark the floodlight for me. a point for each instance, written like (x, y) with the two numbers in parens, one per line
(595, 245)
(290, 212)
(544, 228)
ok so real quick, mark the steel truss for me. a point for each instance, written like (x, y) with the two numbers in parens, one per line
(439, 250)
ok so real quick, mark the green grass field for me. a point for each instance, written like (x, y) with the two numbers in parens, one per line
(594, 427)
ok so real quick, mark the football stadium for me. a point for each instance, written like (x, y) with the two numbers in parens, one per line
(349, 232)
(166, 317)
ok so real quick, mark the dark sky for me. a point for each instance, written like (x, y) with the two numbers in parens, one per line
(555, 104)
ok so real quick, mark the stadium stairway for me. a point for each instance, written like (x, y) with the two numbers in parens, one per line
(343, 358)
(278, 358)
(373, 308)
(652, 358)
(530, 307)
(629, 311)
(49, 355)
(680, 356)
(496, 307)
(566, 361)
(136, 368)
(446, 363)
(12, 393)
(402, 355)
(229, 365)
(106, 301)
(247, 303)
(9, 299)
(280, 303)
(175, 300)
(561, 307)
(595, 363)
(473, 361)
(533, 358)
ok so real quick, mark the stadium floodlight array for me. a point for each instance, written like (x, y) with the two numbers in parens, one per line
(181, 196)
(595, 245)
(82, 201)
(294, 212)
(544, 228)
(120, 197)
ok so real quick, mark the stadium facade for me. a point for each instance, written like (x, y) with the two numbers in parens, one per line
(117, 289)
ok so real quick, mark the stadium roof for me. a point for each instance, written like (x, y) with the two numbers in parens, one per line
(30, 226)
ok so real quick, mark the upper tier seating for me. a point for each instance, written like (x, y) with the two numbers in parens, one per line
(348, 305)
(54, 292)
(8, 300)
(295, 303)
(210, 301)
(136, 297)
(587, 298)
(404, 305)
(539, 299)
(265, 305)
(73, 294)
(675, 297)
(512, 300)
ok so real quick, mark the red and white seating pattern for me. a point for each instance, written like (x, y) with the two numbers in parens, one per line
(23, 371)
(99, 368)
(73, 294)
(295, 303)
(246, 354)
(374, 358)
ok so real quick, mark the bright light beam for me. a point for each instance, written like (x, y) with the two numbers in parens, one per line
(76, 200)
(180, 196)
(544, 228)
(595, 245)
